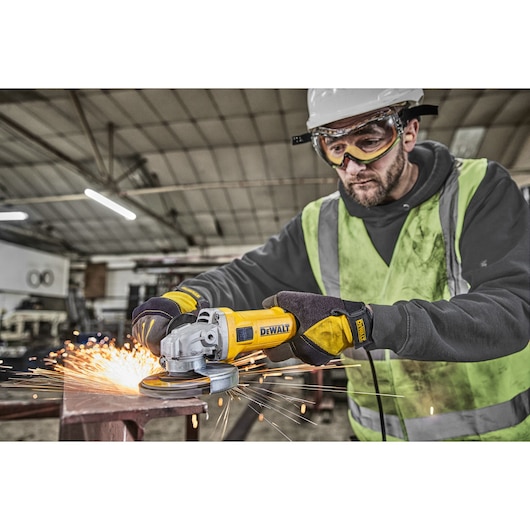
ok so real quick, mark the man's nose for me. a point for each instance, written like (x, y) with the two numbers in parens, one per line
(352, 167)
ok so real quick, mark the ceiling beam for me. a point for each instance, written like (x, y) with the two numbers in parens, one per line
(88, 133)
(129, 194)
(26, 134)
(109, 187)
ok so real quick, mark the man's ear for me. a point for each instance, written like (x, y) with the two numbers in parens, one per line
(410, 135)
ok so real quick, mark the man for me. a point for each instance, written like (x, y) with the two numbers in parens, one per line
(416, 272)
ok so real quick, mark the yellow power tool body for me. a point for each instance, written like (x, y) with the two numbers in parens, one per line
(196, 355)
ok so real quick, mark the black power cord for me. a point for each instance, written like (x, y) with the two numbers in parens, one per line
(378, 396)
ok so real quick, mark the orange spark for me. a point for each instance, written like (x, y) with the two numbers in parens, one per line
(100, 367)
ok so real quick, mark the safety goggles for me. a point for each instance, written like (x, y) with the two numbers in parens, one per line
(363, 142)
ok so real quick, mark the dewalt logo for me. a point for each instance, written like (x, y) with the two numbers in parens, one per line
(361, 330)
(274, 330)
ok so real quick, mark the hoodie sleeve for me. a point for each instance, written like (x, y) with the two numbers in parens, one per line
(492, 319)
(280, 264)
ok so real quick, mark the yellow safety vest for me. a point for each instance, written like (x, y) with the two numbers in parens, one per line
(486, 400)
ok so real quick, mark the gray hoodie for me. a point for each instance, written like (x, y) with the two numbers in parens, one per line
(490, 321)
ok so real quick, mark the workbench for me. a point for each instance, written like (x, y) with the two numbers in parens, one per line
(87, 416)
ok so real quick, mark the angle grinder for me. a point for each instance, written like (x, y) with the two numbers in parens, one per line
(197, 351)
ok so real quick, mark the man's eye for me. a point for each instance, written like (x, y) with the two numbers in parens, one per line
(337, 149)
(369, 143)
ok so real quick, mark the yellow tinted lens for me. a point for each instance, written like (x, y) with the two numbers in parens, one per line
(365, 144)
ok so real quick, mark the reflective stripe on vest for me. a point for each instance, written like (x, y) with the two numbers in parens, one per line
(448, 425)
(452, 388)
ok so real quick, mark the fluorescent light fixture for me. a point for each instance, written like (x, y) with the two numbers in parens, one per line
(110, 204)
(13, 216)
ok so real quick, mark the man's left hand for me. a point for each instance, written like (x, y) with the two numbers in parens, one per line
(326, 325)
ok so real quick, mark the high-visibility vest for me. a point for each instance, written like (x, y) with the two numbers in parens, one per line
(421, 400)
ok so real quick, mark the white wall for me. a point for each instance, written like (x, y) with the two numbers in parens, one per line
(25, 272)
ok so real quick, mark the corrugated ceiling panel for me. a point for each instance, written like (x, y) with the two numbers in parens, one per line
(23, 116)
(229, 164)
(516, 109)
(101, 108)
(158, 163)
(294, 100)
(214, 136)
(137, 140)
(214, 132)
(270, 224)
(24, 181)
(205, 166)
(285, 196)
(197, 103)
(270, 128)
(167, 105)
(179, 169)
(261, 197)
(242, 130)
(161, 137)
(502, 145)
(485, 110)
(229, 102)
(279, 162)
(54, 117)
(303, 160)
(187, 134)
(262, 100)
(295, 123)
(219, 198)
(75, 146)
(14, 151)
(196, 201)
(523, 160)
(254, 167)
(134, 106)
(241, 198)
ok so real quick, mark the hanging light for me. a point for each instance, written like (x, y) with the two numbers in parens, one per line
(94, 195)
(13, 216)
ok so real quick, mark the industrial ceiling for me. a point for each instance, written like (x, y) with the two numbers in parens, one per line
(202, 169)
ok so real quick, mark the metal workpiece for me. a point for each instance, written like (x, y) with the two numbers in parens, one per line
(102, 417)
(89, 416)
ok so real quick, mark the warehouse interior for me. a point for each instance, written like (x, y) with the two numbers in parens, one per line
(205, 174)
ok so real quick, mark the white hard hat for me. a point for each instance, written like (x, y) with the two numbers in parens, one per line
(327, 105)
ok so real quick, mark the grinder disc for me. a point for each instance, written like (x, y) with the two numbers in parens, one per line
(212, 379)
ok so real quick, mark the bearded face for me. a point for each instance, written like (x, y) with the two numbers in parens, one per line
(375, 183)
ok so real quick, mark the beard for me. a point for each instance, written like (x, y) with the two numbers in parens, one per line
(380, 187)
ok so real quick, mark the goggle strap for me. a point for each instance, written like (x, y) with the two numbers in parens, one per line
(415, 112)
(301, 139)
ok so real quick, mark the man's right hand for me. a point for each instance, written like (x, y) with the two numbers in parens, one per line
(150, 319)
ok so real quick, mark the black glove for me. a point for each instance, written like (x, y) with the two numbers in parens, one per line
(150, 320)
(326, 326)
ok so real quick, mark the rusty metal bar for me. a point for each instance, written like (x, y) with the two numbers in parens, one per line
(30, 409)
(103, 417)
(98, 417)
